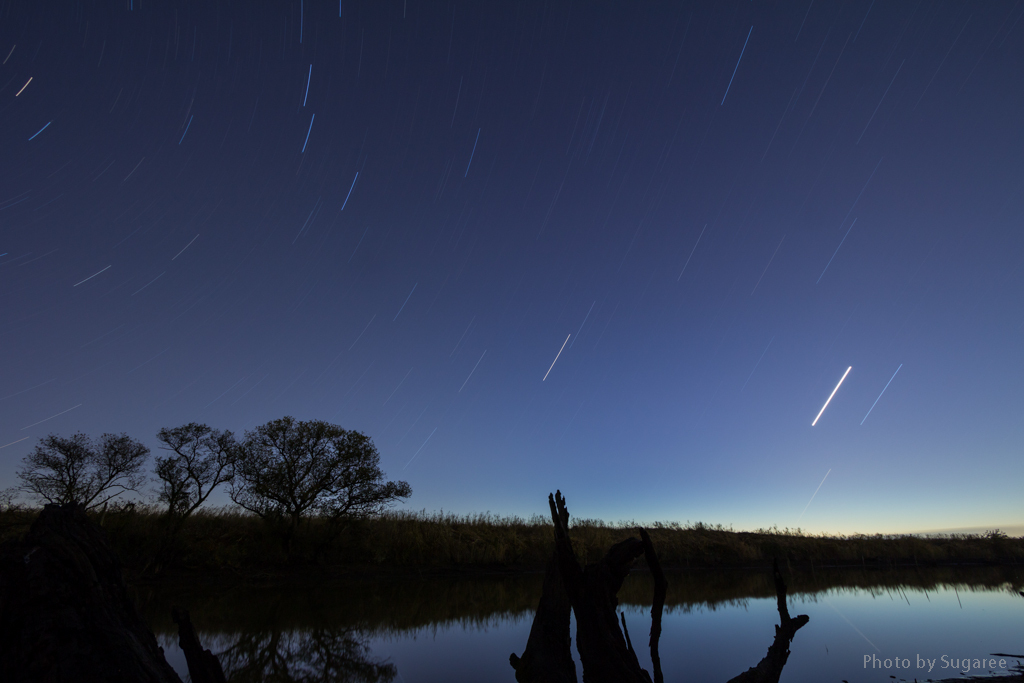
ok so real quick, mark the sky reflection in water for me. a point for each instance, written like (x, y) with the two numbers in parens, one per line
(702, 640)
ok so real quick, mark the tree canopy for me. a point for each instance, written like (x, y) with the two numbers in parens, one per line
(79, 470)
(288, 469)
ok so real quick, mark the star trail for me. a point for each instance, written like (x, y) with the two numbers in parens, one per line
(209, 212)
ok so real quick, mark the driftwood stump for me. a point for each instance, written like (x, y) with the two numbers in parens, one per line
(606, 655)
(548, 654)
(65, 614)
(606, 652)
(203, 666)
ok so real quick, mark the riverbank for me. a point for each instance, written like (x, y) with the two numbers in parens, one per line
(234, 544)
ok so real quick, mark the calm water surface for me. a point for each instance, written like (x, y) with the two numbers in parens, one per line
(716, 625)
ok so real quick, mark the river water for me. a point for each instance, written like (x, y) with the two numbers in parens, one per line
(864, 625)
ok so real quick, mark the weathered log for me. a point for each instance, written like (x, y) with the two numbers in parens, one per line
(548, 655)
(605, 654)
(65, 614)
(203, 666)
(770, 667)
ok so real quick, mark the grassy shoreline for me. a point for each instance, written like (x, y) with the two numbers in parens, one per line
(228, 542)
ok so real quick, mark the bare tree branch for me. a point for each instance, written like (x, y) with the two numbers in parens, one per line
(203, 460)
(75, 470)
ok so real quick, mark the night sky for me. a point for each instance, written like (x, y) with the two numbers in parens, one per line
(394, 216)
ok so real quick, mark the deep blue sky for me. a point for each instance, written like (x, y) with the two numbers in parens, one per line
(722, 205)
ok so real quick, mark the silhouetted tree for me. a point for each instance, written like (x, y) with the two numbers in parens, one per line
(287, 469)
(77, 470)
(203, 460)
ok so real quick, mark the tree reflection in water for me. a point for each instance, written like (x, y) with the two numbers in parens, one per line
(327, 655)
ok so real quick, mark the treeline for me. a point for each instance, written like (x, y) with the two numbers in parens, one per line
(236, 543)
(281, 473)
(311, 495)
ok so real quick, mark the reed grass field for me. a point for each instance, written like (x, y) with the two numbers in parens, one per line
(228, 541)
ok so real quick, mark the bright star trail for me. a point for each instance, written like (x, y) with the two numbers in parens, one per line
(831, 395)
(349, 194)
(40, 130)
(311, 119)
